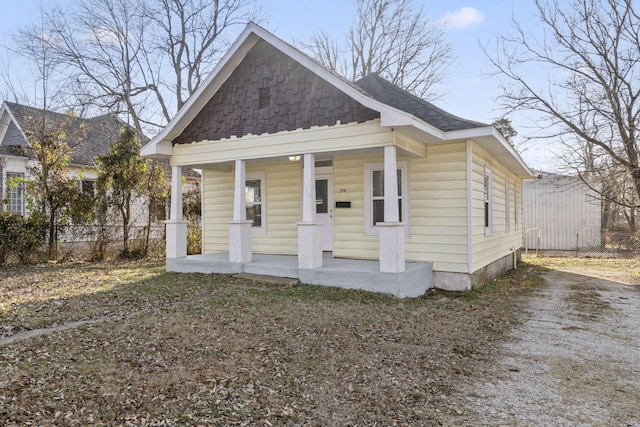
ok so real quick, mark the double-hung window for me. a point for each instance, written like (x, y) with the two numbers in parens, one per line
(15, 192)
(488, 201)
(374, 195)
(507, 205)
(255, 201)
(87, 186)
(515, 206)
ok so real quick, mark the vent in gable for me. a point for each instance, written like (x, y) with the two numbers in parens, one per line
(264, 97)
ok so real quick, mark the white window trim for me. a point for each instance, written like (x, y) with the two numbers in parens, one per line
(507, 207)
(7, 177)
(260, 175)
(487, 200)
(371, 230)
(515, 206)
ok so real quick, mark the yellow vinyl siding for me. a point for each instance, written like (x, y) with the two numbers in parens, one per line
(217, 210)
(437, 187)
(282, 188)
(348, 181)
(488, 248)
(438, 231)
(437, 197)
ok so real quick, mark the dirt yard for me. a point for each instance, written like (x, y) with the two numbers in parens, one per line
(575, 358)
(152, 348)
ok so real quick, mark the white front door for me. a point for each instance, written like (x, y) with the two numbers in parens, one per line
(324, 208)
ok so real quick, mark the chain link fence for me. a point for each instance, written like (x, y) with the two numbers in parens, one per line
(605, 244)
(104, 241)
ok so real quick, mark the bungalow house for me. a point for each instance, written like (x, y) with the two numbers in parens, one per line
(359, 185)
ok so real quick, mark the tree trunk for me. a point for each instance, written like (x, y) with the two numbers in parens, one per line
(53, 255)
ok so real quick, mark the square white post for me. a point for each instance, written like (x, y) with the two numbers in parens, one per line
(309, 231)
(239, 227)
(391, 251)
(176, 226)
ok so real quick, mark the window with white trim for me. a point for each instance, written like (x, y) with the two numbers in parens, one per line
(15, 192)
(515, 206)
(507, 205)
(488, 201)
(374, 195)
(88, 186)
(254, 192)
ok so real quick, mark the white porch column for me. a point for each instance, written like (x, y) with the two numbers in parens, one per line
(309, 231)
(391, 237)
(176, 245)
(239, 227)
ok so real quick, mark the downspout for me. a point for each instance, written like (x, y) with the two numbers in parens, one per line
(469, 206)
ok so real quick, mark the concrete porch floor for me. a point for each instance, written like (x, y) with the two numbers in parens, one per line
(337, 272)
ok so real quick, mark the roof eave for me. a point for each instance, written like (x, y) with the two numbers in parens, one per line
(160, 149)
(494, 143)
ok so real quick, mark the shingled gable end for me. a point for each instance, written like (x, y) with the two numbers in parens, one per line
(292, 98)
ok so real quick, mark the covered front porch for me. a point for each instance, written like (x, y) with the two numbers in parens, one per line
(389, 273)
(338, 272)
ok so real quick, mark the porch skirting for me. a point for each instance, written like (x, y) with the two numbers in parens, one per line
(338, 272)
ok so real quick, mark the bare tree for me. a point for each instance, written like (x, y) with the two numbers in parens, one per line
(140, 58)
(191, 35)
(393, 39)
(590, 98)
(50, 138)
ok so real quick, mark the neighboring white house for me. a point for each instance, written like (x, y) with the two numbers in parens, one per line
(98, 133)
(561, 213)
(359, 185)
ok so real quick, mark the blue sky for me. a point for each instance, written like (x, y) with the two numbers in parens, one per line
(470, 92)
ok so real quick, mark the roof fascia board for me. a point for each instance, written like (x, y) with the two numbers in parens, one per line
(157, 148)
(13, 119)
(490, 132)
(4, 125)
(197, 100)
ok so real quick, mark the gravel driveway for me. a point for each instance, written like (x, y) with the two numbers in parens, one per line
(574, 361)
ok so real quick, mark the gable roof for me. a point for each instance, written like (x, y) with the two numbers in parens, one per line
(398, 109)
(101, 131)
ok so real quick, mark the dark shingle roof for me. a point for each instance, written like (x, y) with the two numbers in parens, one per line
(95, 139)
(390, 94)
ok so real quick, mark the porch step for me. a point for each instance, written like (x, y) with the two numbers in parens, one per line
(273, 280)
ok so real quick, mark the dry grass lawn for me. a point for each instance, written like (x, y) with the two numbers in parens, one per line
(618, 269)
(172, 349)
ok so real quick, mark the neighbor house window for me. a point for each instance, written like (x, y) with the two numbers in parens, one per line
(15, 193)
(88, 186)
(374, 195)
(507, 205)
(158, 209)
(488, 202)
(255, 201)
